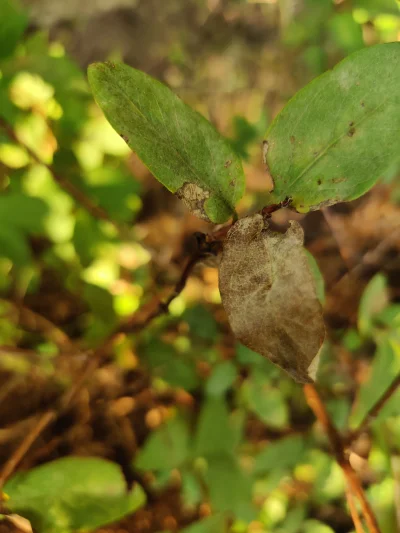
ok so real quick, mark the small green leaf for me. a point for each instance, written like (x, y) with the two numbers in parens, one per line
(221, 379)
(72, 494)
(215, 432)
(338, 135)
(13, 245)
(229, 488)
(212, 524)
(373, 301)
(179, 146)
(282, 454)
(319, 279)
(385, 367)
(13, 22)
(166, 448)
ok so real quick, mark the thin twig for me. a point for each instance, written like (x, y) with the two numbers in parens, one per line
(353, 511)
(89, 367)
(33, 321)
(25, 445)
(376, 408)
(318, 407)
(79, 196)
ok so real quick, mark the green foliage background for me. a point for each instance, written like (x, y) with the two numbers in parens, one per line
(209, 421)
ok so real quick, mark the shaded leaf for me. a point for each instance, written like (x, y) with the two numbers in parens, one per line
(319, 279)
(269, 294)
(166, 448)
(212, 524)
(373, 301)
(23, 212)
(336, 137)
(13, 245)
(72, 494)
(13, 22)
(282, 454)
(214, 433)
(179, 146)
(229, 488)
(221, 379)
(266, 402)
(385, 367)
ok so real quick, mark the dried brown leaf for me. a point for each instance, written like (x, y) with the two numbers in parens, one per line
(269, 294)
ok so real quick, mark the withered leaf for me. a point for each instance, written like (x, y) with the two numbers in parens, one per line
(269, 294)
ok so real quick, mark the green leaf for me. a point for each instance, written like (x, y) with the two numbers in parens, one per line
(22, 212)
(266, 402)
(72, 494)
(13, 22)
(13, 245)
(100, 302)
(212, 524)
(385, 367)
(319, 279)
(373, 301)
(229, 488)
(214, 432)
(170, 365)
(283, 454)
(201, 322)
(166, 448)
(336, 137)
(179, 146)
(222, 378)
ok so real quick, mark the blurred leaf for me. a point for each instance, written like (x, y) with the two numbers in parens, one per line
(338, 130)
(177, 144)
(191, 489)
(13, 22)
(22, 212)
(87, 235)
(201, 322)
(212, 524)
(214, 431)
(319, 279)
(346, 33)
(72, 494)
(246, 133)
(315, 526)
(170, 365)
(375, 7)
(384, 368)
(229, 488)
(374, 299)
(283, 454)
(339, 409)
(14, 246)
(222, 378)
(294, 520)
(267, 403)
(166, 447)
(100, 302)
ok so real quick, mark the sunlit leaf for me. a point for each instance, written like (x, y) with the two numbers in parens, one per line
(337, 136)
(72, 494)
(178, 145)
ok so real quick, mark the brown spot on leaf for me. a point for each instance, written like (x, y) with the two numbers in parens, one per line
(319, 181)
(269, 294)
(338, 180)
(292, 139)
(232, 183)
(351, 131)
(351, 123)
(228, 163)
(194, 197)
(124, 137)
(362, 104)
